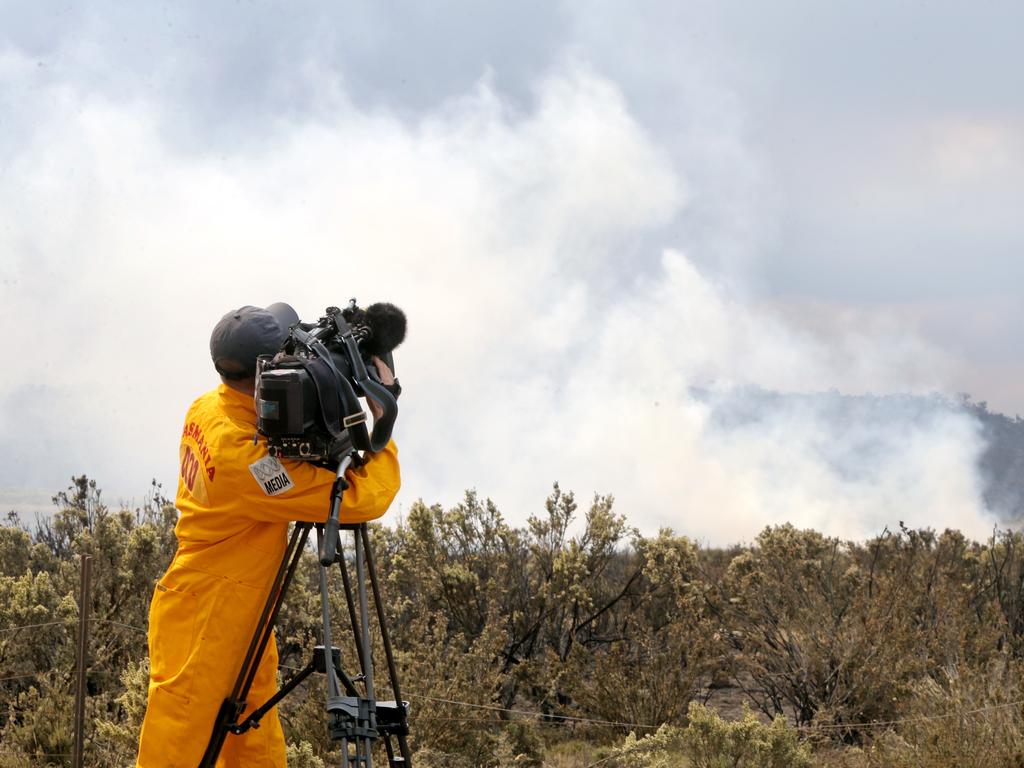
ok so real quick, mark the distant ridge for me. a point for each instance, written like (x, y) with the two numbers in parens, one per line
(1002, 463)
(857, 427)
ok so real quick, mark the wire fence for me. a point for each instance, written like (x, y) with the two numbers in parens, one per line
(37, 626)
(831, 727)
(542, 719)
(568, 720)
(16, 753)
(5, 630)
(546, 718)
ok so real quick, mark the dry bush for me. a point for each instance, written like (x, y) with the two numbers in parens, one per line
(39, 577)
(708, 741)
(832, 633)
(646, 680)
(656, 665)
(456, 669)
(965, 717)
(302, 755)
(568, 617)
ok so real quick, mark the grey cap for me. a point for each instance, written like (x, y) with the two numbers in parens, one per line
(247, 332)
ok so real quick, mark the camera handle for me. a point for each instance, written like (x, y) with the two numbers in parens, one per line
(372, 389)
(381, 427)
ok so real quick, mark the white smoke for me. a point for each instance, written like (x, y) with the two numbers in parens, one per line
(538, 349)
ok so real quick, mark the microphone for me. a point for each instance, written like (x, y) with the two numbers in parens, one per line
(387, 328)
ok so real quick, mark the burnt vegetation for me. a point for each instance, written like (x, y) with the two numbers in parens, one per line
(570, 640)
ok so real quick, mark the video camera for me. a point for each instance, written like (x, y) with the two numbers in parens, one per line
(307, 395)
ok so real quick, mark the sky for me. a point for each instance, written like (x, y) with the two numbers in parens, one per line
(611, 226)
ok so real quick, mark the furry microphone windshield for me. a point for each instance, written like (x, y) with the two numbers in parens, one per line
(381, 327)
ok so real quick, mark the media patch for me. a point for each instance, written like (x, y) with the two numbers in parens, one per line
(271, 475)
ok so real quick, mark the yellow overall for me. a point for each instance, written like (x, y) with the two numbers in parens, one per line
(235, 503)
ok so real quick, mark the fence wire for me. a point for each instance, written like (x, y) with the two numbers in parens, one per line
(544, 719)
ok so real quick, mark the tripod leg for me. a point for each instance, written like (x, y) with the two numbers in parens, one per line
(253, 721)
(333, 688)
(382, 624)
(364, 621)
(364, 617)
(350, 602)
(234, 705)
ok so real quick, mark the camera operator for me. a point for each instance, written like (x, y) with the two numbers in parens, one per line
(235, 502)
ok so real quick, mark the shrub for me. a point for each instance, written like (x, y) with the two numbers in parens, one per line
(708, 741)
(969, 718)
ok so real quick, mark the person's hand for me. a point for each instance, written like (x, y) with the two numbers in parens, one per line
(387, 378)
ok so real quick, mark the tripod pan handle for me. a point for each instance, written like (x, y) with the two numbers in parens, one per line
(329, 542)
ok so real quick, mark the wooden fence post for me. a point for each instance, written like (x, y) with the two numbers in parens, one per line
(82, 660)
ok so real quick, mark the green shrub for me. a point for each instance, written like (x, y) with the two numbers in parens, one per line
(708, 741)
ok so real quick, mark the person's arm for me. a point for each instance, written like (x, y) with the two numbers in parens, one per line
(371, 489)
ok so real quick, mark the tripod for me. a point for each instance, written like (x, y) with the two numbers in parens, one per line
(355, 718)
